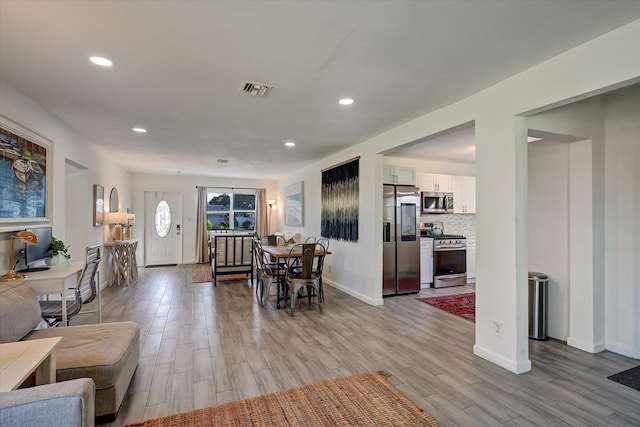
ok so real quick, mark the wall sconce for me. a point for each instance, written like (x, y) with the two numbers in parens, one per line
(272, 207)
(28, 237)
(119, 219)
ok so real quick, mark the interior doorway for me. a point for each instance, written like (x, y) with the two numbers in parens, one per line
(562, 238)
(78, 208)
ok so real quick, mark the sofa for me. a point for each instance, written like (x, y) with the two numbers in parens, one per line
(64, 404)
(107, 353)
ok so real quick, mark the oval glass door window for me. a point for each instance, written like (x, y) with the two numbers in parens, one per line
(163, 218)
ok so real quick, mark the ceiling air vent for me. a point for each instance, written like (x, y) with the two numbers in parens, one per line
(255, 89)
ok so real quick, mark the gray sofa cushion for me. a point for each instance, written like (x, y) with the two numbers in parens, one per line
(65, 404)
(19, 311)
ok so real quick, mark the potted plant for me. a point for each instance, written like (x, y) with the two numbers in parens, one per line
(59, 250)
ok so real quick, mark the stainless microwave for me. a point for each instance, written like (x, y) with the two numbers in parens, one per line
(436, 202)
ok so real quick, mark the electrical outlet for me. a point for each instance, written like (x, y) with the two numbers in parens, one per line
(329, 268)
(497, 329)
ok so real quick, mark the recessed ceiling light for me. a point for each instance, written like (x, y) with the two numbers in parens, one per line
(103, 62)
(290, 144)
(139, 130)
(345, 101)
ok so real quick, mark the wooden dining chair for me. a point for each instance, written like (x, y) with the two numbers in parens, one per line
(268, 273)
(303, 275)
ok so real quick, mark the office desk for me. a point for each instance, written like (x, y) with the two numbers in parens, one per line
(19, 359)
(57, 280)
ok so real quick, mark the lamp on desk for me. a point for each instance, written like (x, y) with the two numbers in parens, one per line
(117, 218)
(28, 237)
(272, 207)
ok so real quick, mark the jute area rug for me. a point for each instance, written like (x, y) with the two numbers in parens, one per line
(202, 273)
(358, 400)
(463, 305)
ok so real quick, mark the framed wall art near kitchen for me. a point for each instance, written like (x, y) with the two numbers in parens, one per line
(340, 199)
(294, 204)
(26, 160)
(98, 205)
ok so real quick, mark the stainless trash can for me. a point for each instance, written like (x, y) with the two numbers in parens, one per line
(538, 296)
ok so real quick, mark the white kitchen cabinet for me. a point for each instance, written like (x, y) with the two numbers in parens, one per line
(464, 193)
(471, 260)
(434, 182)
(426, 262)
(399, 175)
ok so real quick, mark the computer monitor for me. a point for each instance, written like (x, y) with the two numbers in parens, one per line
(40, 251)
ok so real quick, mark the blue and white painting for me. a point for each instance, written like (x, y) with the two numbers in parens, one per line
(23, 177)
(294, 204)
(340, 201)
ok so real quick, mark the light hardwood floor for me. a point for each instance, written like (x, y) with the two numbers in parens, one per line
(203, 346)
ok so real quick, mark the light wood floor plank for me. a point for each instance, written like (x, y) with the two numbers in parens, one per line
(202, 346)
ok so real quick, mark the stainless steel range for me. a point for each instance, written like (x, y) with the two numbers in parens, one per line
(449, 260)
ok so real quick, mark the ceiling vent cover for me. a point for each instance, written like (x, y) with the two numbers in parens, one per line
(255, 89)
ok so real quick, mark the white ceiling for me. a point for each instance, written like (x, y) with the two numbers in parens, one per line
(180, 64)
(458, 146)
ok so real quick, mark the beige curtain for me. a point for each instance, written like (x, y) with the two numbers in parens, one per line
(202, 234)
(261, 212)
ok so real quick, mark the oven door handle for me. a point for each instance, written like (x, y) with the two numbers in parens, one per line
(451, 276)
(451, 248)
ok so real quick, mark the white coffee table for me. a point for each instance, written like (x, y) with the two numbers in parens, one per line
(19, 359)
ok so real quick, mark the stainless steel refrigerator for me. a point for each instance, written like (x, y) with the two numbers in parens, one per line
(401, 240)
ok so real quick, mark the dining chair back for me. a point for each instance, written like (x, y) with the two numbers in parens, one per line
(324, 242)
(301, 274)
(268, 273)
(310, 239)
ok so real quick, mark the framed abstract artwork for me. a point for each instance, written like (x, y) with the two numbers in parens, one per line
(25, 176)
(339, 218)
(294, 204)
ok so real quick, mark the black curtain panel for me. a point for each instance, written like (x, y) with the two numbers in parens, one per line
(340, 199)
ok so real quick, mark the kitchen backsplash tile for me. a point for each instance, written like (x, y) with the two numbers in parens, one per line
(464, 224)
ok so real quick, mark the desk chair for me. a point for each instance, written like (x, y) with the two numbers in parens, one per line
(84, 292)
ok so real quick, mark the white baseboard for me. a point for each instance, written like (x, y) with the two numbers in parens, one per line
(585, 346)
(353, 293)
(622, 349)
(508, 364)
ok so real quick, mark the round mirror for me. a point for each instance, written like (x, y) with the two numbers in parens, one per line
(114, 203)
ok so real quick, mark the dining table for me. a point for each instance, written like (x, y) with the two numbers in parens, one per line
(279, 253)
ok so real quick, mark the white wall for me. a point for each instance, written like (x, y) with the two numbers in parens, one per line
(548, 227)
(67, 144)
(187, 186)
(622, 237)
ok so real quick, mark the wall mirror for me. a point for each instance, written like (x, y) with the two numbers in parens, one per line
(114, 203)
(98, 204)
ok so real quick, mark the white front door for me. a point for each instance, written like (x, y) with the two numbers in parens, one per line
(163, 228)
